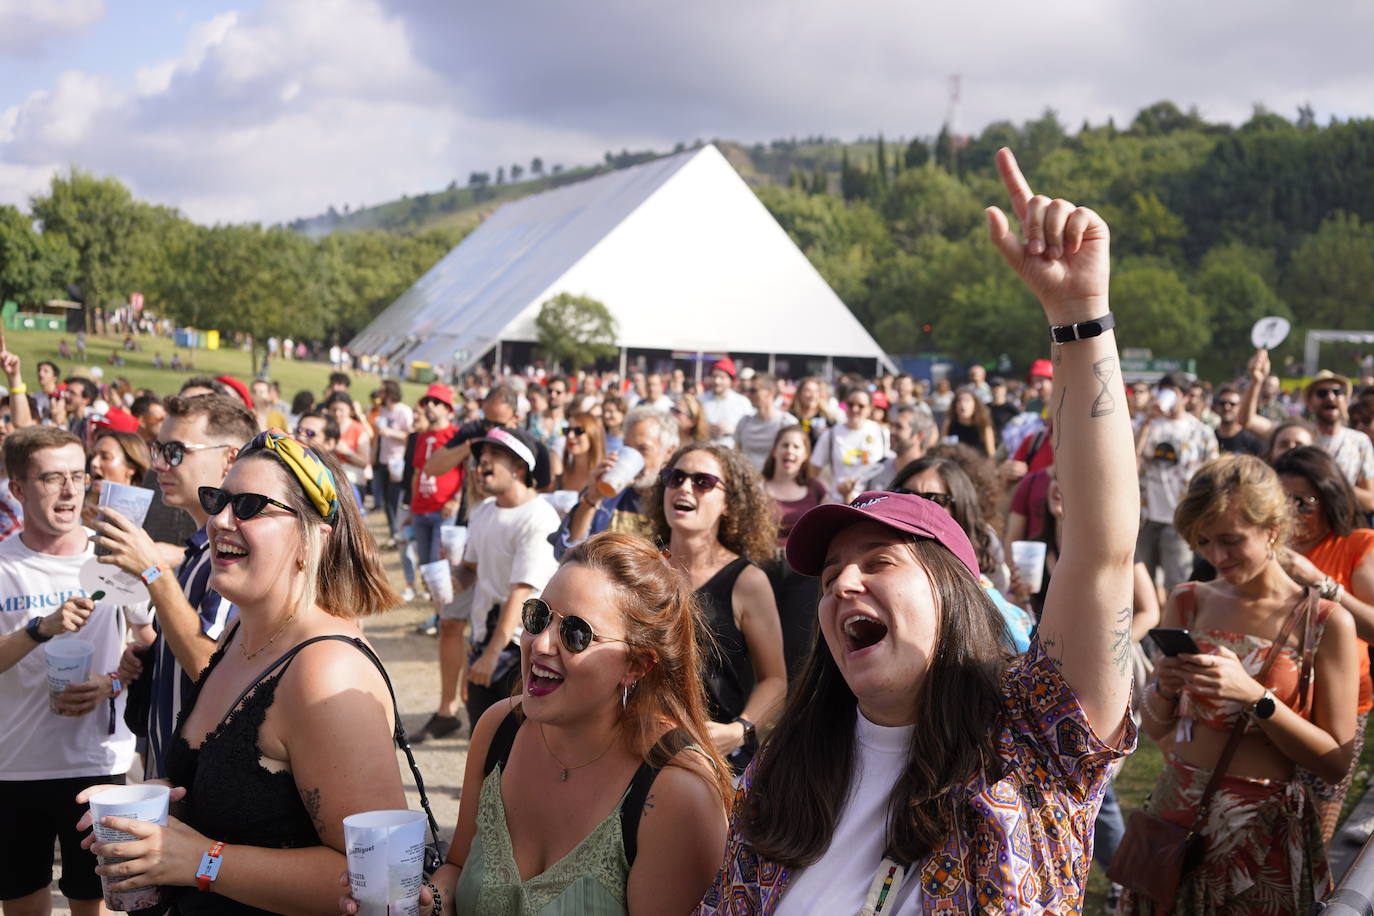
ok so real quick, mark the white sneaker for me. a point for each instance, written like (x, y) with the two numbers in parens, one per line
(408, 594)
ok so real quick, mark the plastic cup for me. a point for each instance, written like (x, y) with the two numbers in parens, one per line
(69, 662)
(562, 500)
(396, 468)
(145, 802)
(1029, 559)
(386, 851)
(132, 502)
(455, 540)
(628, 464)
(438, 576)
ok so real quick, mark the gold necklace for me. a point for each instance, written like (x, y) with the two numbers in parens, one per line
(564, 769)
(249, 656)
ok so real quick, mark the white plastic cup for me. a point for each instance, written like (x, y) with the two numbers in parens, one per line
(146, 802)
(628, 464)
(69, 662)
(454, 538)
(396, 468)
(1029, 560)
(562, 500)
(386, 852)
(132, 502)
(438, 576)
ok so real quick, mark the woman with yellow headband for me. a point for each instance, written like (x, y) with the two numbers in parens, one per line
(286, 733)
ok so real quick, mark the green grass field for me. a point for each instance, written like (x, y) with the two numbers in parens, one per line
(292, 376)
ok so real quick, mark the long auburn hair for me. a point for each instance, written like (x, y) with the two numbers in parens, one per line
(662, 626)
(596, 436)
(807, 768)
(1338, 505)
(750, 527)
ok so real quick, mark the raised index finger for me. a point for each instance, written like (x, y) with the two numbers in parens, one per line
(1017, 188)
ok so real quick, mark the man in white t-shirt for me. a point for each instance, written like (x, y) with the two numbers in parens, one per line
(852, 451)
(508, 559)
(1170, 448)
(723, 405)
(755, 433)
(656, 396)
(1328, 400)
(48, 755)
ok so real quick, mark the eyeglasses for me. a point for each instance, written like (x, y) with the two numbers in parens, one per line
(943, 500)
(673, 478)
(172, 452)
(574, 431)
(307, 433)
(556, 392)
(574, 632)
(1304, 505)
(245, 505)
(1228, 403)
(56, 481)
(1331, 394)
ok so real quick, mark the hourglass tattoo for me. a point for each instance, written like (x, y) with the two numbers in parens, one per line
(1104, 404)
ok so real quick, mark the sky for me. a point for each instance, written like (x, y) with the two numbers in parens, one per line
(268, 110)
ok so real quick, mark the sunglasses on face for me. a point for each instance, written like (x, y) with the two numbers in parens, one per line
(1228, 403)
(307, 433)
(574, 431)
(574, 632)
(245, 505)
(701, 482)
(943, 500)
(173, 452)
(1328, 394)
(1304, 505)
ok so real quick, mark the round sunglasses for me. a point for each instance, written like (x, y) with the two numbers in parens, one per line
(575, 633)
(702, 482)
(245, 505)
(943, 500)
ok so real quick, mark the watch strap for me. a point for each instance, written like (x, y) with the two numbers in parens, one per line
(209, 867)
(1068, 333)
(34, 633)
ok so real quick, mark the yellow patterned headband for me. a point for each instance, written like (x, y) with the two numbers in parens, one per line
(314, 477)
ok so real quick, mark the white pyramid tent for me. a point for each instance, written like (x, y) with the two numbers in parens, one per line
(679, 249)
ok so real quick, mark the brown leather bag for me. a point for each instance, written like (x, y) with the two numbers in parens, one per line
(1155, 854)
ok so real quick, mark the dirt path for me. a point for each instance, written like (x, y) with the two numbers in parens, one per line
(412, 662)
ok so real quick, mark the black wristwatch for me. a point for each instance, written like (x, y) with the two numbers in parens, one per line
(1068, 333)
(1264, 707)
(33, 631)
(751, 740)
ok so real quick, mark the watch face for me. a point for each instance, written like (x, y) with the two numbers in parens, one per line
(1264, 707)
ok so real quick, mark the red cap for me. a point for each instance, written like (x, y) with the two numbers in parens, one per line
(238, 386)
(439, 392)
(726, 365)
(1041, 367)
(904, 512)
(880, 400)
(117, 419)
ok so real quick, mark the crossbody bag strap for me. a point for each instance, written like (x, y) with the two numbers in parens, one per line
(1309, 648)
(1238, 731)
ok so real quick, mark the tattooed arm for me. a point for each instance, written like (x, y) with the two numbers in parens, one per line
(681, 841)
(1087, 619)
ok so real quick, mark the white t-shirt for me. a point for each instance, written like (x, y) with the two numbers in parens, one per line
(839, 881)
(397, 416)
(509, 547)
(1174, 449)
(1352, 452)
(39, 744)
(850, 454)
(725, 411)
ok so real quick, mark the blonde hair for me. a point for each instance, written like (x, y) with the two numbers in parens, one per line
(1234, 481)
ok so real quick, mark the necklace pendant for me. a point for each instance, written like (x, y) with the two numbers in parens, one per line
(563, 775)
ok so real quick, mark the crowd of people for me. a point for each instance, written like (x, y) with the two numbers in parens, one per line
(755, 645)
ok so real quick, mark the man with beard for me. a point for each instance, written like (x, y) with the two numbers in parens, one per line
(654, 435)
(912, 432)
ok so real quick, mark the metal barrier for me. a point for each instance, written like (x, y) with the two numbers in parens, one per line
(1354, 896)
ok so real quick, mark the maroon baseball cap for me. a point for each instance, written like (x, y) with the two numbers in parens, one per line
(905, 512)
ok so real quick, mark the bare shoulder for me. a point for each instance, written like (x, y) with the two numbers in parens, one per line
(685, 787)
(331, 667)
(1339, 627)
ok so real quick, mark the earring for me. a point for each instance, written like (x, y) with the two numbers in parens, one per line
(624, 698)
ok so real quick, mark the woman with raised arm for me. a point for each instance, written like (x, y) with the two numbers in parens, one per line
(918, 766)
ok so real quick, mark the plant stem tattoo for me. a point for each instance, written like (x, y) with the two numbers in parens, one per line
(311, 799)
(1104, 404)
(1121, 641)
(648, 803)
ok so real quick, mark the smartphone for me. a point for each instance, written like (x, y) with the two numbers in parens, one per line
(1173, 641)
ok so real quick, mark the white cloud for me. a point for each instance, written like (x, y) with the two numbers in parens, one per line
(27, 25)
(299, 104)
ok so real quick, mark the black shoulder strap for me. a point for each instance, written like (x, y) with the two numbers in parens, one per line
(400, 732)
(632, 809)
(501, 743)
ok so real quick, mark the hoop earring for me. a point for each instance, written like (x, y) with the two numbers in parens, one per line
(624, 698)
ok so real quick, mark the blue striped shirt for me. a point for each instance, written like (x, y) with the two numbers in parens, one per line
(170, 683)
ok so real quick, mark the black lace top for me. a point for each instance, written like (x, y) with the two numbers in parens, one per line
(230, 796)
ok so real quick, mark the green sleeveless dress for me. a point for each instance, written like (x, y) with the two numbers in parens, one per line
(589, 880)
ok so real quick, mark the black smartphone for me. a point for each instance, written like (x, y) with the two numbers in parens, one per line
(1174, 641)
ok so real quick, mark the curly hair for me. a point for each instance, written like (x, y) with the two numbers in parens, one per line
(1234, 481)
(750, 526)
(987, 482)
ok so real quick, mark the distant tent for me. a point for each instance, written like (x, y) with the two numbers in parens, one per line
(679, 249)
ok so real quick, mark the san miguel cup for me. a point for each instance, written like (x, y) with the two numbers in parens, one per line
(146, 802)
(69, 662)
(386, 853)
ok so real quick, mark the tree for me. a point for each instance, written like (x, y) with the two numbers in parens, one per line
(917, 153)
(33, 266)
(1156, 309)
(577, 330)
(501, 175)
(516, 170)
(1237, 296)
(1331, 277)
(536, 166)
(923, 201)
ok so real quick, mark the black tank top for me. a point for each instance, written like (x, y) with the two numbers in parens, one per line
(729, 673)
(229, 796)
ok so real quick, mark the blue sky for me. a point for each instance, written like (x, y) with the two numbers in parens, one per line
(271, 109)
